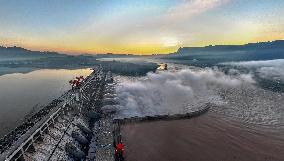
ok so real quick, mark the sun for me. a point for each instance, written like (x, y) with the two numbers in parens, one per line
(170, 41)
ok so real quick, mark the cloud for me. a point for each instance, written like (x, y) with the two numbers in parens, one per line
(161, 29)
(174, 92)
(268, 69)
(190, 8)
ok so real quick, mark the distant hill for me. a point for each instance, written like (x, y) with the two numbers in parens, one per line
(214, 54)
(273, 45)
(20, 60)
(21, 53)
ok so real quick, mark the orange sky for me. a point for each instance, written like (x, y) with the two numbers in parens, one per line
(137, 27)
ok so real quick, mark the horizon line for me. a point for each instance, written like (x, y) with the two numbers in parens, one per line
(178, 47)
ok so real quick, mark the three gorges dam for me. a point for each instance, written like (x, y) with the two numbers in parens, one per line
(80, 125)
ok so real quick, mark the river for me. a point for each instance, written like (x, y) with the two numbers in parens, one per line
(23, 94)
(246, 122)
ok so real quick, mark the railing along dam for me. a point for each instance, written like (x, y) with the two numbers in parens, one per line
(15, 144)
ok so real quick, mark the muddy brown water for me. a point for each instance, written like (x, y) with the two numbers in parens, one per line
(210, 137)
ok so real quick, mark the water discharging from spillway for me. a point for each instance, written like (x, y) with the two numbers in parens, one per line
(247, 122)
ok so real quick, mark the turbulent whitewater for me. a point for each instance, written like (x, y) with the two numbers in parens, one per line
(184, 89)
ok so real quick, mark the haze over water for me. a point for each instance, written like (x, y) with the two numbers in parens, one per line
(21, 94)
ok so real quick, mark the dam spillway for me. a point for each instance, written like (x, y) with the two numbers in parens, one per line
(80, 125)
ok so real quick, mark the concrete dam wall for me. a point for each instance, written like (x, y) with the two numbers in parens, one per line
(80, 125)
